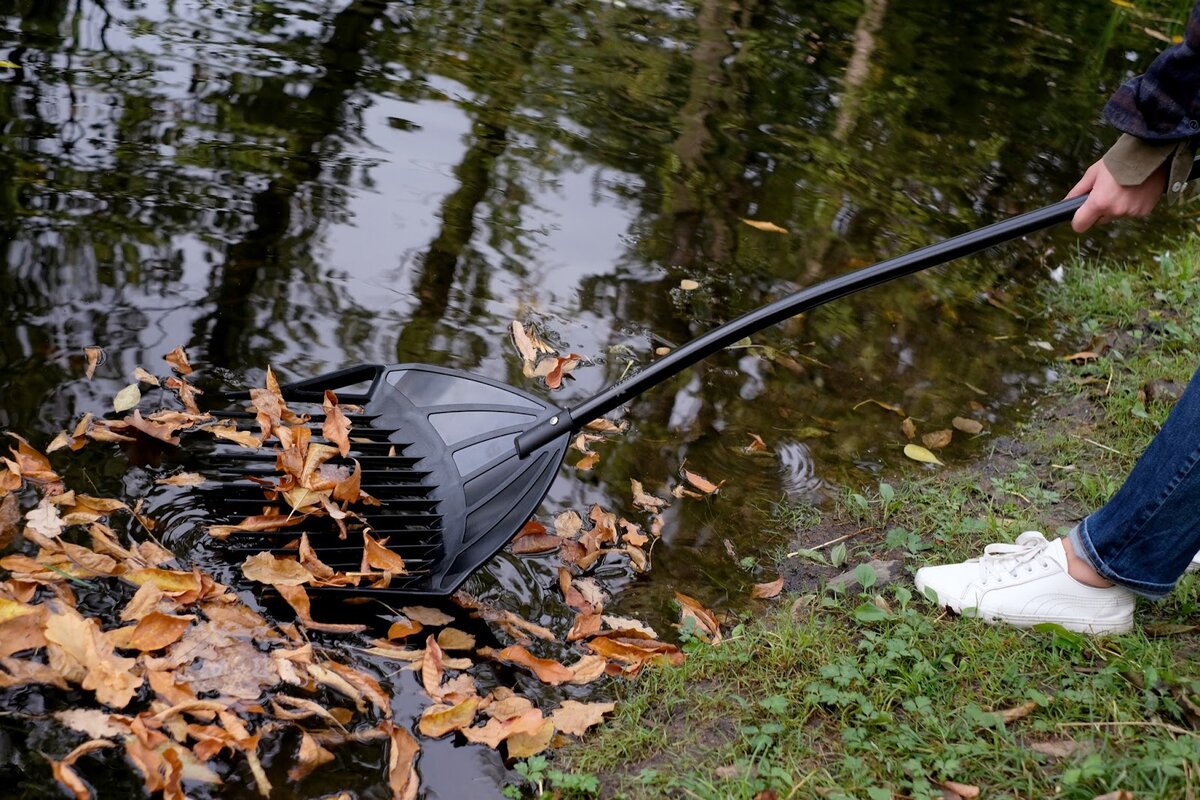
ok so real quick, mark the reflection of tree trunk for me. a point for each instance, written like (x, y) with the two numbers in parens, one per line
(692, 187)
(439, 266)
(248, 260)
(860, 62)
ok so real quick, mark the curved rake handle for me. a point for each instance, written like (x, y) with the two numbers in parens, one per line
(965, 244)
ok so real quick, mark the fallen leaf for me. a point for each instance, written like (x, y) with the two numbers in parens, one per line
(501, 726)
(1081, 356)
(763, 225)
(93, 355)
(310, 756)
(402, 762)
(689, 285)
(575, 718)
(178, 361)
(30, 464)
(909, 428)
(145, 377)
(230, 432)
(886, 406)
(157, 630)
(67, 776)
(586, 463)
(297, 598)
(646, 502)
(524, 344)
(45, 520)
(94, 722)
(171, 582)
(78, 650)
(127, 398)
(704, 621)
(403, 627)
(765, 591)
(427, 616)
(377, 556)
(968, 426)
(937, 439)
(263, 567)
(546, 670)
(756, 444)
(1017, 712)
(438, 720)
(183, 479)
(336, 427)
(702, 483)
(961, 790)
(562, 366)
(918, 453)
(454, 639)
(524, 745)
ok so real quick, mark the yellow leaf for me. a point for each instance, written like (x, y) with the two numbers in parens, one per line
(11, 65)
(454, 639)
(169, 581)
(127, 398)
(763, 225)
(918, 453)
(575, 718)
(266, 568)
(524, 745)
(427, 616)
(439, 720)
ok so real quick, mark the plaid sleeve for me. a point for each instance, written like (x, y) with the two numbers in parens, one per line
(1164, 103)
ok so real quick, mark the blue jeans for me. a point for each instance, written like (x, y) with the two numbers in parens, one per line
(1145, 536)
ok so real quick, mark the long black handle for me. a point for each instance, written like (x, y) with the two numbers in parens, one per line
(754, 321)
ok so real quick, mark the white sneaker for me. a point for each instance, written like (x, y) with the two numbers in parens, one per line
(1194, 566)
(1027, 583)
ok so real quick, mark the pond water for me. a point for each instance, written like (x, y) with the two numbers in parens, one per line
(316, 185)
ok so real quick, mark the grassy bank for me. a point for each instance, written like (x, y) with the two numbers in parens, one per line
(871, 693)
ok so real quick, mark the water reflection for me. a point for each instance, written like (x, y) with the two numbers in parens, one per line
(310, 187)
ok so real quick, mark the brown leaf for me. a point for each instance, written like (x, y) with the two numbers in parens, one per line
(1081, 356)
(575, 718)
(937, 439)
(531, 543)
(79, 652)
(756, 445)
(379, 557)
(427, 616)
(163, 431)
(264, 567)
(402, 762)
(702, 483)
(157, 630)
(960, 790)
(1017, 712)
(561, 367)
(145, 377)
(968, 426)
(909, 428)
(524, 745)
(403, 627)
(178, 361)
(93, 355)
(171, 582)
(500, 727)
(262, 522)
(297, 598)
(30, 464)
(644, 501)
(764, 225)
(765, 591)
(547, 670)
(230, 432)
(454, 639)
(587, 669)
(336, 427)
(586, 463)
(183, 479)
(67, 776)
(885, 406)
(10, 515)
(636, 652)
(310, 756)
(22, 627)
(432, 668)
(438, 720)
(705, 622)
(524, 344)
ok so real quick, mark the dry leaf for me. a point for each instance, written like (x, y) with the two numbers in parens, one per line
(937, 439)
(376, 556)
(93, 355)
(1081, 356)
(266, 568)
(524, 745)
(178, 361)
(961, 790)
(67, 776)
(157, 630)
(765, 591)
(143, 376)
(230, 432)
(427, 616)
(183, 479)
(78, 650)
(454, 639)
(968, 426)
(756, 444)
(689, 285)
(702, 483)
(886, 406)
(402, 762)
(524, 344)
(44, 520)
(909, 428)
(310, 756)
(918, 453)
(403, 627)
(575, 718)
(336, 427)
(763, 225)
(646, 502)
(589, 461)
(438, 720)
(297, 598)
(127, 398)
(547, 670)
(704, 621)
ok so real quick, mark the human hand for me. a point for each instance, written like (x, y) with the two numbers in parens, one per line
(1110, 200)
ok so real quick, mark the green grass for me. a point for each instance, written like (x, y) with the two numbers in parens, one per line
(880, 695)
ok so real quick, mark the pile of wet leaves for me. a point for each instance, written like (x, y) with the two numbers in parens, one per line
(146, 655)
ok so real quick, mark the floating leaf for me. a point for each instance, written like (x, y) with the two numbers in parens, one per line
(937, 439)
(93, 354)
(968, 426)
(646, 502)
(427, 616)
(547, 670)
(702, 483)
(586, 463)
(145, 377)
(157, 630)
(524, 745)
(704, 621)
(178, 361)
(403, 627)
(918, 453)
(9, 65)
(881, 404)
(263, 567)
(689, 285)
(454, 639)
(183, 479)
(402, 763)
(756, 444)
(909, 428)
(763, 225)
(438, 720)
(127, 398)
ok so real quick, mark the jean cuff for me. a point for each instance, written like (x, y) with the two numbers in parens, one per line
(1082, 544)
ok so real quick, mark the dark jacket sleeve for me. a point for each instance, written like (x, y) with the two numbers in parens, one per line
(1163, 105)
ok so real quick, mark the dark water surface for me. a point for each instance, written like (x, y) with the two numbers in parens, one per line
(314, 185)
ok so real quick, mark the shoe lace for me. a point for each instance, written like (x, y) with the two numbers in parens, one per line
(1000, 560)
